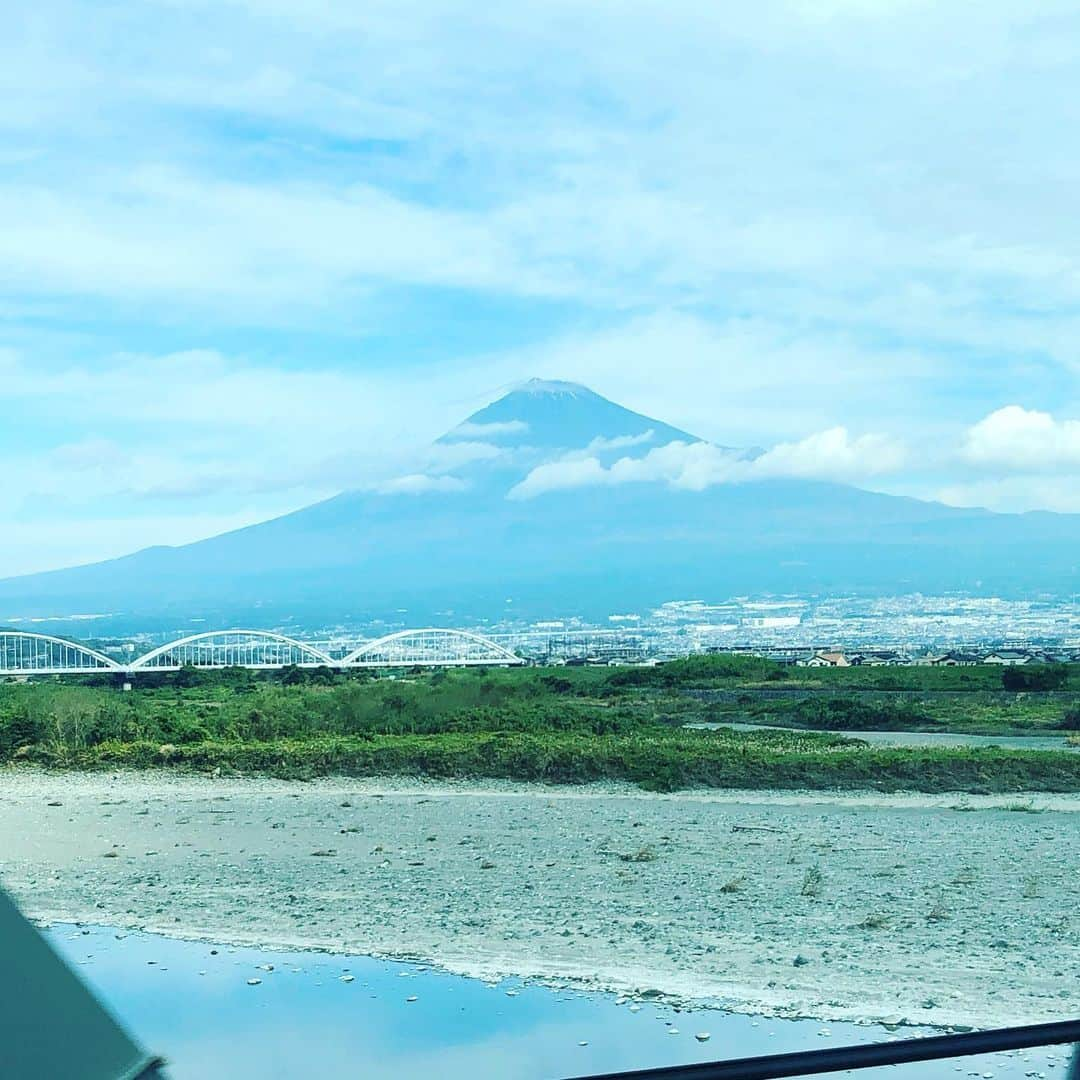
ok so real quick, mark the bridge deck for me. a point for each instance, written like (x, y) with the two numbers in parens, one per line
(24, 654)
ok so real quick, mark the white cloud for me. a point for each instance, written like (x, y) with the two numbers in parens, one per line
(488, 431)
(562, 475)
(619, 442)
(828, 455)
(420, 484)
(158, 232)
(444, 456)
(1015, 439)
(529, 152)
(833, 455)
(1022, 459)
(186, 395)
(89, 455)
(692, 466)
(197, 171)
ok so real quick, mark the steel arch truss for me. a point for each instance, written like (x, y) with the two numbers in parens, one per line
(258, 649)
(430, 647)
(23, 653)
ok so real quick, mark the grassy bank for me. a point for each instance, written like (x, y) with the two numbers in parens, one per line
(554, 726)
(977, 713)
(665, 761)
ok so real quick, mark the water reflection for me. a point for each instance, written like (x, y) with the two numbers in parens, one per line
(313, 1014)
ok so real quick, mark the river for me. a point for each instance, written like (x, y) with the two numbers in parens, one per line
(220, 1011)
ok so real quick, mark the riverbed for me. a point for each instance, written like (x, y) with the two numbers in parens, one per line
(901, 908)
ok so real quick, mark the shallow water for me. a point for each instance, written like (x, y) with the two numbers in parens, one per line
(192, 1002)
(925, 738)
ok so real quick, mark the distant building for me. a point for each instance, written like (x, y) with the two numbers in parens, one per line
(826, 659)
(954, 658)
(1014, 657)
(1063, 656)
(787, 657)
(876, 658)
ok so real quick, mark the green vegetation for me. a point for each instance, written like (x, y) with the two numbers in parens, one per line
(852, 714)
(1070, 721)
(1035, 677)
(552, 725)
(964, 700)
(969, 714)
(701, 671)
(915, 679)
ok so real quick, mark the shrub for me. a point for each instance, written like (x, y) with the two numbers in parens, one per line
(850, 714)
(700, 671)
(1034, 677)
(1070, 721)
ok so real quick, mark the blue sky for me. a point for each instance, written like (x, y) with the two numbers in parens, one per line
(252, 253)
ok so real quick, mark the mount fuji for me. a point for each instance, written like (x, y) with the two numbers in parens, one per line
(555, 501)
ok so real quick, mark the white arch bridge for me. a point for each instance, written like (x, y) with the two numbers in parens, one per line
(25, 654)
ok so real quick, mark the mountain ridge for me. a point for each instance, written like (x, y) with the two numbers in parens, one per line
(462, 546)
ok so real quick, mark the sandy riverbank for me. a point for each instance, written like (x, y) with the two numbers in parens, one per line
(936, 909)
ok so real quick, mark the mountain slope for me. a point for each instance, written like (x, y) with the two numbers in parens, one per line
(463, 549)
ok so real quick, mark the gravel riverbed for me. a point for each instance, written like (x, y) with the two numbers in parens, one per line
(927, 909)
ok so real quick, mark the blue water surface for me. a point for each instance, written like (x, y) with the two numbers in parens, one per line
(316, 1014)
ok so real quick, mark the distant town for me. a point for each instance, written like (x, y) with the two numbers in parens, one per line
(947, 630)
